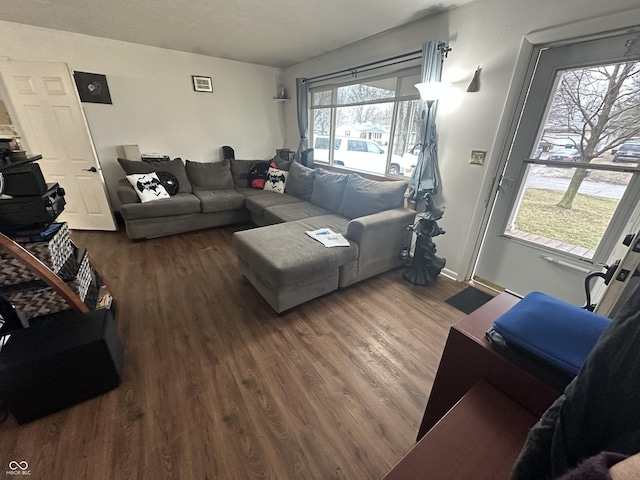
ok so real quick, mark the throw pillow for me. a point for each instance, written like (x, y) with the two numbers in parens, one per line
(281, 163)
(210, 175)
(366, 197)
(328, 189)
(147, 186)
(174, 166)
(276, 180)
(169, 182)
(258, 174)
(300, 181)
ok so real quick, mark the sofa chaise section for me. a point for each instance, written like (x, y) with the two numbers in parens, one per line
(287, 266)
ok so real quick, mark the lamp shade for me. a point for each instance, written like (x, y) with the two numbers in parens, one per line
(430, 91)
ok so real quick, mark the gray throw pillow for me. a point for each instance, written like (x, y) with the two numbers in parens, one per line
(300, 181)
(328, 189)
(210, 175)
(240, 172)
(281, 163)
(366, 197)
(175, 166)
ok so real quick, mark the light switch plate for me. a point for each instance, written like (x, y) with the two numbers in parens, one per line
(477, 157)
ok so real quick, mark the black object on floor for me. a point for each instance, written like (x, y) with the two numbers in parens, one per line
(469, 299)
(52, 366)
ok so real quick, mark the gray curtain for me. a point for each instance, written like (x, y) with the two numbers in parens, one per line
(302, 94)
(426, 176)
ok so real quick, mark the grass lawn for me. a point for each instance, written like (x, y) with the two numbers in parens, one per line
(583, 225)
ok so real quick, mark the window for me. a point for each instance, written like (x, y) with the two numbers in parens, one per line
(590, 115)
(376, 117)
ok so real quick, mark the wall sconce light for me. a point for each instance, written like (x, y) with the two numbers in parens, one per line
(474, 86)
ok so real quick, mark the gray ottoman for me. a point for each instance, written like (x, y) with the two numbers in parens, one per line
(287, 266)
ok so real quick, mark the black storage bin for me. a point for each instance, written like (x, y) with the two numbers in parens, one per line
(52, 366)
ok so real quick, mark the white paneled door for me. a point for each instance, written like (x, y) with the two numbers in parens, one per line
(45, 107)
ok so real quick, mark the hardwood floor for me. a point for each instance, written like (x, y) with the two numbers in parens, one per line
(218, 386)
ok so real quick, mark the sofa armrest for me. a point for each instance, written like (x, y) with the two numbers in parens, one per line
(126, 193)
(380, 238)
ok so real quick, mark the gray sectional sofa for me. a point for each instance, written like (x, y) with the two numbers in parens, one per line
(282, 262)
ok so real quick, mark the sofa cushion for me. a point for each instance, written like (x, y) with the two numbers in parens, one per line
(292, 212)
(126, 193)
(174, 166)
(300, 181)
(210, 175)
(328, 189)
(249, 192)
(240, 171)
(179, 204)
(257, 203)
(365, 197)
(220, 200)
(276, 180)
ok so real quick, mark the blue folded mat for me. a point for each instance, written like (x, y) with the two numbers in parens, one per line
(557, 332)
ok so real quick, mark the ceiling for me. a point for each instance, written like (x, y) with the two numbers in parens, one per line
(278, 33)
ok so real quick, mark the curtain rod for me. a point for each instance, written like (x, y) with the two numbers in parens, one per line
(354, 70)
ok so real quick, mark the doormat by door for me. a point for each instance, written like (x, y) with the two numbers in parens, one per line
(469, 299)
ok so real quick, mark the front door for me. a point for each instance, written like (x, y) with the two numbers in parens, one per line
(565, 199)
(45, 107)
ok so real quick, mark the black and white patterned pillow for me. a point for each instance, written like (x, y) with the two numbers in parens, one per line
(147, 186)
(276, 180)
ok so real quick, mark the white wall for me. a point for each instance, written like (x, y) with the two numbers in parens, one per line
(154, 105)
(485, 33)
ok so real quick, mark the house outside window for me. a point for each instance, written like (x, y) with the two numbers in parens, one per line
(378, 116)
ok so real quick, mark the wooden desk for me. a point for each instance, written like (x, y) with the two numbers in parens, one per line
(469, 357)
(479, 439)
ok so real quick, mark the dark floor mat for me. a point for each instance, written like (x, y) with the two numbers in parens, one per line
(469, 299)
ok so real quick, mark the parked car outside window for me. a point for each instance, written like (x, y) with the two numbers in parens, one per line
(628, 152)
(565, 155)
(361, 154)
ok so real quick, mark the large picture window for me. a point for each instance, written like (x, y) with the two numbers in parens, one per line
(372, 124)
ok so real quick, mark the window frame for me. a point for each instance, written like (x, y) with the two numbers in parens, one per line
(399, 75)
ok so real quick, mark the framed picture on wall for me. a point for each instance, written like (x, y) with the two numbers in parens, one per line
(92, 87)
(202, 84)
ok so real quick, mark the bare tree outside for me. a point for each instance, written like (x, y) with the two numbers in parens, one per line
(601, 106)
(406, 127)
(321, 121)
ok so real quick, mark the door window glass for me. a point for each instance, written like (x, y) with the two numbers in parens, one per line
(592, 118)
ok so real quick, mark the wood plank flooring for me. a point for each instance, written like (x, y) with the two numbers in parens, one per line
(218, 386)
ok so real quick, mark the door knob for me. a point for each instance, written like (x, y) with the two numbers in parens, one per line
(92, 169)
